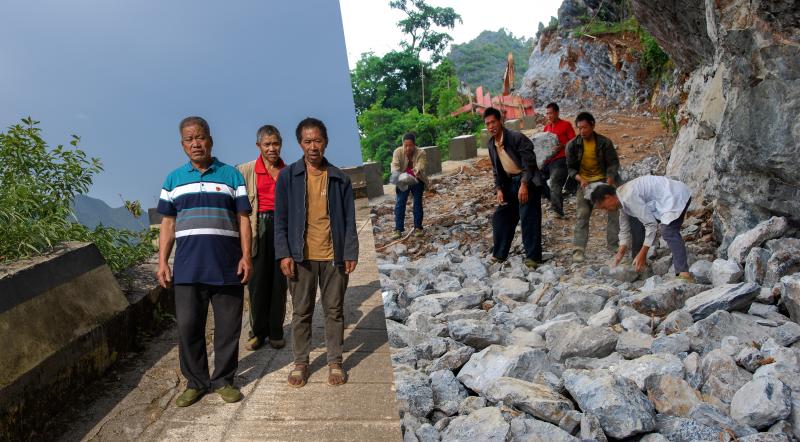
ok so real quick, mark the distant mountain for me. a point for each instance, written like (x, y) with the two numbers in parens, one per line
(482, 61)
(91, 212)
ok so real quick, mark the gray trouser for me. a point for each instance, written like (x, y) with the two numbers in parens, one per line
(584, 213)
(332, 283)
(672, 235)
(558, 177)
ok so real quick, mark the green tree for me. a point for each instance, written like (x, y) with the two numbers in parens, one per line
(39, 185)
(418, 25)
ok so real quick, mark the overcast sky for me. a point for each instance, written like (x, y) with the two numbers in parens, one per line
(371, 25)
(122, 74)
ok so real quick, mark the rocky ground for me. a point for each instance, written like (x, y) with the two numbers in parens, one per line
(568, 351)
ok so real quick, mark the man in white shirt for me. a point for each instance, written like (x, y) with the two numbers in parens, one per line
(652, 200)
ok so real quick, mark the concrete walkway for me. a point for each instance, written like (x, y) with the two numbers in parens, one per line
(363, 409)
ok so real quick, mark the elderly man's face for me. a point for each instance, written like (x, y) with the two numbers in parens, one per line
(493, 125)
(408, 148)
(196, 144)
(585, 129)
(313, 145)
(270, 148)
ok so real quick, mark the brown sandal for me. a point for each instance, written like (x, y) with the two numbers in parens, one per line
(335, 371)
(300, 372)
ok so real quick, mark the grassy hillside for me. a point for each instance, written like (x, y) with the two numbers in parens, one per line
(482, 61)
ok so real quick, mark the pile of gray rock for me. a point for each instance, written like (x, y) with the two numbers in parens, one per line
(499, 352)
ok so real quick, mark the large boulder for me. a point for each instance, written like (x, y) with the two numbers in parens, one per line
(664, 298)
(706, 334)
(621, 407)
(594, 342)
(638, 370)
(725, 297)
(583, 304)
(485, 424)
(761, 402)
(755, 265)
(538, 400)
(514, 288)
(496, 361)
(523, 429)
(790, 295)
(725, 271)
(475, 333)
(414, 393)
(447, 391)
(671, 394)
(744, 242)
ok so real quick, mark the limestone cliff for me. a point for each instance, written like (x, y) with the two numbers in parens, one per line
(739, 143)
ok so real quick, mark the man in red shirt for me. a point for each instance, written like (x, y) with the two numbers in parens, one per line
(267, 286)
(556, 165)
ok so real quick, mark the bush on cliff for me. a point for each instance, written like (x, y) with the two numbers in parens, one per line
(37, 186)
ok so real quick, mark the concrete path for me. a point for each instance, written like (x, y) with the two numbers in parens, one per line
(141, 406)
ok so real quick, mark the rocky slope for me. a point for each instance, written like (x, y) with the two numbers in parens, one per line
(586, 352)
(740, 138)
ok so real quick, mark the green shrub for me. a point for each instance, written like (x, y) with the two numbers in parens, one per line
(38, 186)
(654, 59)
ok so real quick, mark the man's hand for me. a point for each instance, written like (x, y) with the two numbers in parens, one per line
(500, 199)
(620, 254)
(640, 261)
(523, 193)
(611, 181)
(350, 266)
(245, 270)
(164, 275)
(287, 267)
(582, 181)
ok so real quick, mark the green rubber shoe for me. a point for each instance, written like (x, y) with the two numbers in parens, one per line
(189, 397)
(230, 394)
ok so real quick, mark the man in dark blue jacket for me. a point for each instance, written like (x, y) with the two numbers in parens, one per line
(518, 183)
(317, 245)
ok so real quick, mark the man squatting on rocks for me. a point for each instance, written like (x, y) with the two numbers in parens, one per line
(555, 166)
(518, 183)
(267, 287)
(407, 158)
(646, 204)
(205, 209)
(591, 158)
(317, 245)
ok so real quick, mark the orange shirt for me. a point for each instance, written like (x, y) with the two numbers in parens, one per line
(319, 244)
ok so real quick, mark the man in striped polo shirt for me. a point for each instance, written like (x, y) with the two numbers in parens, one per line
(205, 209)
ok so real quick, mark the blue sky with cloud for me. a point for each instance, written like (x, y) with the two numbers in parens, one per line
(122, 74)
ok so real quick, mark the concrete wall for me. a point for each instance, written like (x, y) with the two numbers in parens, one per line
(463, 147)
(63, 321)
(374, 177)
(359, 180)
(433, 156)
(484, 139)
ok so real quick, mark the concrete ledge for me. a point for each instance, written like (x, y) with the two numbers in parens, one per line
(463, 147)
(67, 334)
(374, 177)
(433, 157)
(359, 180)
(484, 141)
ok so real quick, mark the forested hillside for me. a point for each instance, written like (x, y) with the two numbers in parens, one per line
(482, 61)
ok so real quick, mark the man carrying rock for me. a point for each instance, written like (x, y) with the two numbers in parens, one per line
(317, 245)
(205, 208)
(591, 158)
(656, 202)
(411, 161)
(267, 287)
(556, 165)
(518, 183)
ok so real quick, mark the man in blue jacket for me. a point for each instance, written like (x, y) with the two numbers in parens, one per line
(317, 245)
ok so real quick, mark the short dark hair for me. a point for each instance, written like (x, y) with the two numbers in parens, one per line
(584, 116)
(492, 112)
(410, 136)
(267, 130)
(553, 106)
(601, 192)
(310, 122)
(195, 121)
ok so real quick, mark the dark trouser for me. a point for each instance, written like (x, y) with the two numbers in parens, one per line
(558, 177)
(400, 206)
(191, 311)
(584, 214)
(332, 283)
(672, 235)
(267, 286)
(506, 217)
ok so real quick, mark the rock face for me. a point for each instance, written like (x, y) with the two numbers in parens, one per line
(743, 60)
(774, 227)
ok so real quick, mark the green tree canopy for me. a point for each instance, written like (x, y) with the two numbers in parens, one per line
(419, 24)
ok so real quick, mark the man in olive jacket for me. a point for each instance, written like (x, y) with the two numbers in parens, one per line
(591, 158)
(411, 160)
